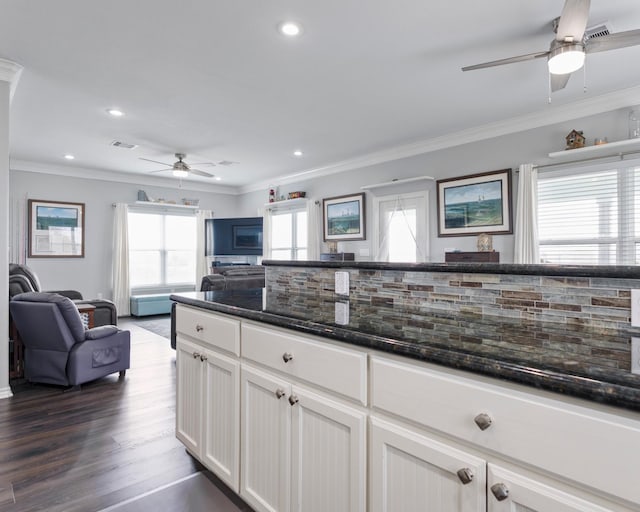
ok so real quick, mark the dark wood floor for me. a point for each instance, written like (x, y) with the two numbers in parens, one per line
(84, 451)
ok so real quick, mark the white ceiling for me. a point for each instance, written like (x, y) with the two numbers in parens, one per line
(214, 79)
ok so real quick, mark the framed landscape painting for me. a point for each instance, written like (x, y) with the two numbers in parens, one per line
(344, 218)
(474, 204)
(56, 229)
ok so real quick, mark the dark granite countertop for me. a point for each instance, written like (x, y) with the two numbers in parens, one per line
(612, 271)
(572, 360)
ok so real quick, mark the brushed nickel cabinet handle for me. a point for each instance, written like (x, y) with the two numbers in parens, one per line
(293, 400)
(287, 356)
(483, 420)
(196, 355)
(280, 393)
(199, 328)
(203, 357)
(500, 491)
(465, 475)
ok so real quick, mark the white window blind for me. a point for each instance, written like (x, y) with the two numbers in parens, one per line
(590, 216)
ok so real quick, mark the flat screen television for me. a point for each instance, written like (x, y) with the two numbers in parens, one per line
(233, 237)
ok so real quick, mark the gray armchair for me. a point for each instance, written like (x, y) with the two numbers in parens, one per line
(22, 279)
(58, 349)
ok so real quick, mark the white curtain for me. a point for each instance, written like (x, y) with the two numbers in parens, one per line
(266, 233)
(314, 230)
(120, 271)
(526, 248)
(202, 266)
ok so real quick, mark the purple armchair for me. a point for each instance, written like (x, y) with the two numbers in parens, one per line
(58, 349)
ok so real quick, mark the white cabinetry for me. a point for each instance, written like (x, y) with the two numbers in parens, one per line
(302, 450)
(411, 472)
(208, 393)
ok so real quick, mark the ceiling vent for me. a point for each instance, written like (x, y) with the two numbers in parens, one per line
(226, 162)
(599, 30)
(124, 145)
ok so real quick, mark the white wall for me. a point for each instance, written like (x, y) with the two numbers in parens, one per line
(510, 151)
(90, 275)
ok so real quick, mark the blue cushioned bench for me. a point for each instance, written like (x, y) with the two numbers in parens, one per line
(154, 304)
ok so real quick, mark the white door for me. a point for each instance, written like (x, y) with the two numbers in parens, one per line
(189, 395)
(328, 465)
(413, 473)
(265, 441)
(511, 492)
(401, 231)
(221, 431)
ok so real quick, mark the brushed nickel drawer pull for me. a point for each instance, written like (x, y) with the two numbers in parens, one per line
(500, 491)
(199, 328)
(483, 420)
(287, 356)
(465, 475)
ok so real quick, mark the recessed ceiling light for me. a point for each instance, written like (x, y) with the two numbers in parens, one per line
(297, 152)
(290, 28)
(69, 157)
(115, 112)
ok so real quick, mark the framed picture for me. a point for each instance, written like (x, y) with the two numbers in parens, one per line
(56, 229)
(478, 203)
(344, 218)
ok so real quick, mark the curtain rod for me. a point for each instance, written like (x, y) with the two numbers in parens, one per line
(618, 156)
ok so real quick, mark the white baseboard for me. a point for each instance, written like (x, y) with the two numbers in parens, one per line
(5, 393)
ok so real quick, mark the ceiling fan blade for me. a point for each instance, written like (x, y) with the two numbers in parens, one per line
(573, 20)
(613, 41)
(156, 162)
(204, 163)
(559, 81)
(510, 60)
(162, 170)
(197, 172)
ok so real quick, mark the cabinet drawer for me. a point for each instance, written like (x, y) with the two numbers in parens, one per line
(213, 329)
(570, 440)
(337, 369)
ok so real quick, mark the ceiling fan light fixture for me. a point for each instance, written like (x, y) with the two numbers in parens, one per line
(566, 58)
(180, 173)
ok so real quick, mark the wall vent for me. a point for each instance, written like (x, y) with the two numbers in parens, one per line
(124, 145)
(599, 30)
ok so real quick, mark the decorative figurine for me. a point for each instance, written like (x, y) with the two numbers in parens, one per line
(575, 140)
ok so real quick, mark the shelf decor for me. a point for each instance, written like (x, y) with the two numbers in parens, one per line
(475, 204)
(344, 218)
(56, 229)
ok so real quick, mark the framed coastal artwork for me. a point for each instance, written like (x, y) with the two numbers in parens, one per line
(344, 218)
(474, 204)
(56, 229)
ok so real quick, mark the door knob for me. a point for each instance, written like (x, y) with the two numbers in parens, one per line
(287, 356)
(465, 475)
(500, 491)
(483, 420)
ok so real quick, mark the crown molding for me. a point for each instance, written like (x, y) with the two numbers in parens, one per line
(551, 114)
(118, 177)
(10, 72)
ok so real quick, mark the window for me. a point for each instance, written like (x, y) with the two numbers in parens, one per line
(590, 217)
(289, 235)
(162, 249)
(401, 228)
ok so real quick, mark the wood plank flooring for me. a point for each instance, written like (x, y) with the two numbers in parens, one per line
(87, 450)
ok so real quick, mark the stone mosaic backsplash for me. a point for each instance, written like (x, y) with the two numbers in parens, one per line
(593, 302)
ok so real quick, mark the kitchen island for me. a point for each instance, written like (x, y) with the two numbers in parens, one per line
(491, 410)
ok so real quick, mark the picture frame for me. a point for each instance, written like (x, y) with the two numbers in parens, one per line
(474, 204)
(344, 218)
(56, 229)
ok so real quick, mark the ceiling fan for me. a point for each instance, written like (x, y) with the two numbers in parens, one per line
(180, 169)
(567, 51)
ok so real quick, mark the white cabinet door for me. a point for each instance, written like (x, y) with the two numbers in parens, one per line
(328, 455)
(413, 473)
(265, 441)
(511, 492)
(221, 409)
(189, 395)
